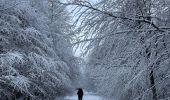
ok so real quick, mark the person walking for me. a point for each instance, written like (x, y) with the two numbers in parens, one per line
(80, 94)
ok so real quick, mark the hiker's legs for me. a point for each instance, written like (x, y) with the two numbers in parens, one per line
(80, 97)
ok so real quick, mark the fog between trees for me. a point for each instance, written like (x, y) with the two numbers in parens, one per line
(126, 44)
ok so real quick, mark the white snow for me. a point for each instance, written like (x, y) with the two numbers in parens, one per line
(87, 96)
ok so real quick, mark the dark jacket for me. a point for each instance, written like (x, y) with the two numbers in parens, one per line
(80, 92)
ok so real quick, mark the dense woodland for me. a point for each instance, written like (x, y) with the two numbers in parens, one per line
(125, 44)
(36, 57)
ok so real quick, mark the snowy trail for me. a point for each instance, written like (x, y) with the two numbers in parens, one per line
(87, 96)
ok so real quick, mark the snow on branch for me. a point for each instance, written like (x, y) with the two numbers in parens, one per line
(89, 6)
(114, 33)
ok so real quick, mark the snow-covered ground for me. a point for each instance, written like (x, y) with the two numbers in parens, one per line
(87, 96)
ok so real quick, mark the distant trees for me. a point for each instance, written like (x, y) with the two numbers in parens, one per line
(128, 47)
(36, 58)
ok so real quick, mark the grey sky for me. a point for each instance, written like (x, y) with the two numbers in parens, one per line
(93, 1)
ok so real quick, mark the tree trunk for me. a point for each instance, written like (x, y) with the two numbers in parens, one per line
(153, 88)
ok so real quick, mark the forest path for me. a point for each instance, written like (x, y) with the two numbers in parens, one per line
(87, 96)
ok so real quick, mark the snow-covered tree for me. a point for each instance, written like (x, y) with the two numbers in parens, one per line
(36, 58)
(128, 47)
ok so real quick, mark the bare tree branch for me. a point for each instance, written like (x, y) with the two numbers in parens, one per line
(81, 4)
(120, 32)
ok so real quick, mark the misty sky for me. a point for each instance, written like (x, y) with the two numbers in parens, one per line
(79, 50)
